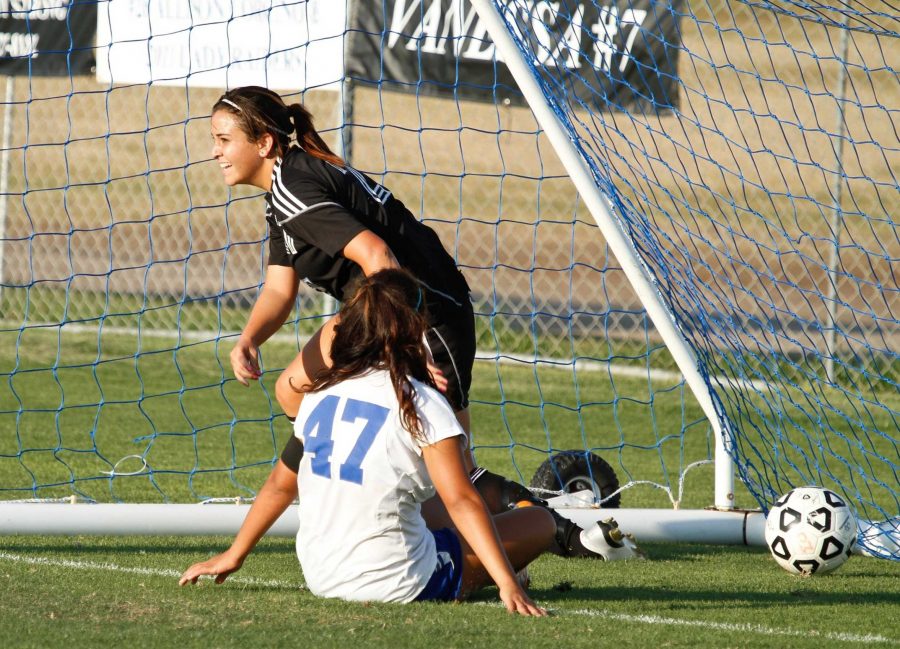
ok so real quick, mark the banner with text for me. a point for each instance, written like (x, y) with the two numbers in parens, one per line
(47, 37)
(620, 54)
(286, 44)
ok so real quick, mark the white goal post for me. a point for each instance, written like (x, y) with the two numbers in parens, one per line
(637, 272)
(714, 527)
(647, 525)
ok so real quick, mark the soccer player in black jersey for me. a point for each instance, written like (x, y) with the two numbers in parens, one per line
(328, 225)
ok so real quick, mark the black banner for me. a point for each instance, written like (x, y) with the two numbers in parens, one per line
(47, 37)
(609, 55)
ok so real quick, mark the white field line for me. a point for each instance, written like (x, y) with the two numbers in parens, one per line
(653, 620)
(731, 627)
(150, 572)
(627, 371)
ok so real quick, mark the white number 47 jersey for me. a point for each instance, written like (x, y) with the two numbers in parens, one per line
(361, 482)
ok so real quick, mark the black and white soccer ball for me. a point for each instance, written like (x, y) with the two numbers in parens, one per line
(810, 531)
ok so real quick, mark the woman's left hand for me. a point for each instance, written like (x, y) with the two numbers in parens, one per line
(517, 601)
(220, 565)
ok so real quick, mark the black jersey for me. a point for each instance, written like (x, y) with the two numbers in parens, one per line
(316, 208)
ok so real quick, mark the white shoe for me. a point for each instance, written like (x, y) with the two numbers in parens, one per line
(607, 540)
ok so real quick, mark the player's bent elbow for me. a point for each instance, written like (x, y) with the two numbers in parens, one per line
(461, 503)
(287, 395)
(371, 252)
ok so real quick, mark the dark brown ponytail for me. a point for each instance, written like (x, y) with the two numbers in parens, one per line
(258, 111)
(308, 137)
(382, 327)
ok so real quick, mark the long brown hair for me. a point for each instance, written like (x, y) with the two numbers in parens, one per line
(258, 111)
(382, 327)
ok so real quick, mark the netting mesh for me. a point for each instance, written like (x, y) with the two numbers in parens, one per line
(761, 206)
(760, 193)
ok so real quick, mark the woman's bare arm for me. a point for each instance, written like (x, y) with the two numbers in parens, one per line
(273, 499)
(371, 253)
(469, 514)
(271, 310)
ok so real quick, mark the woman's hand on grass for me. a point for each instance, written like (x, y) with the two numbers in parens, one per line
(517, 601)
(221, 566)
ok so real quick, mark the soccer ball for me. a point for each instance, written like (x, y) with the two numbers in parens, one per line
(810, 530)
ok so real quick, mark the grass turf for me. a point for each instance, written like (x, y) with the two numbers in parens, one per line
(88, 591)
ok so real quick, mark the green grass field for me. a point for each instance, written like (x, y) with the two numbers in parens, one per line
(85, 591)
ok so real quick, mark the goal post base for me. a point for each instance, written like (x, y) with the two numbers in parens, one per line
(100, 519)
(705, 526)
(647, 525)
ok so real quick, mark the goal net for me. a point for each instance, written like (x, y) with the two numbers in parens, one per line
(747, 149)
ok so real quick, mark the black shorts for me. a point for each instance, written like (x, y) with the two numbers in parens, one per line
(451, 339)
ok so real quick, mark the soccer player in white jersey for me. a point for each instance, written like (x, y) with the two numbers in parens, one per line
(373, 441)
(329, 226)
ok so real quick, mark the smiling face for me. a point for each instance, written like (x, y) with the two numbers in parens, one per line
(242, 162)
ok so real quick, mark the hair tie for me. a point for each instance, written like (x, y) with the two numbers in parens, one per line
(280, 131)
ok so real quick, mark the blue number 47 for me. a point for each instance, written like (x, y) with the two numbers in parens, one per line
(318, 429)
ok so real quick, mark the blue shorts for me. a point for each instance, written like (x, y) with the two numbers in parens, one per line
(446, 581)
